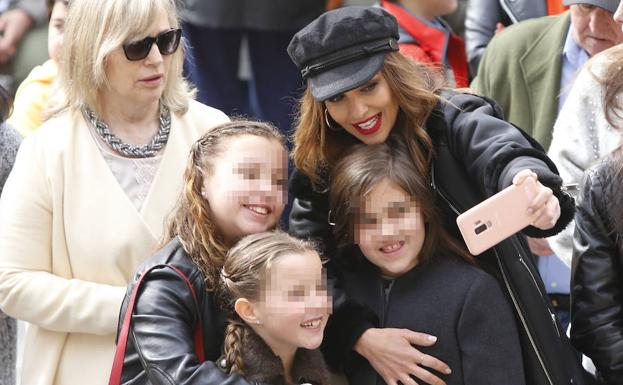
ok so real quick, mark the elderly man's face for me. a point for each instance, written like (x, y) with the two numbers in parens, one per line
(594, 28)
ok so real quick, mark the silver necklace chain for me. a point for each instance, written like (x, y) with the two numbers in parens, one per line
(129, 150)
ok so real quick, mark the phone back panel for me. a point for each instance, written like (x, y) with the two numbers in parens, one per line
(497, 218)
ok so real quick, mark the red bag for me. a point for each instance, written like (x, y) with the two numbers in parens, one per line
(117, 366)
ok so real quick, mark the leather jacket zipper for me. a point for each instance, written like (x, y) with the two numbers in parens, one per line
(525, 265)
(522, 318)
(506, 283)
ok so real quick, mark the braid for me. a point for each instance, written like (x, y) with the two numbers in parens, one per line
(233, 347)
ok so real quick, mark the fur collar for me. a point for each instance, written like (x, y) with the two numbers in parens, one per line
(262, 365)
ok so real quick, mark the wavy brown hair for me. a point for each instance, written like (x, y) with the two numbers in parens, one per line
(612, 83)
(192, 220)
(415, 87)
(244, 275)
(361, 169)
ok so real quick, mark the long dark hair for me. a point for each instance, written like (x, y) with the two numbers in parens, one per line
(362, 168)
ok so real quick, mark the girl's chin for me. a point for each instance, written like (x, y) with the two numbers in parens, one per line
(314, 342)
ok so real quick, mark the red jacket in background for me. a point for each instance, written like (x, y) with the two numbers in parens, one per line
(431, 45)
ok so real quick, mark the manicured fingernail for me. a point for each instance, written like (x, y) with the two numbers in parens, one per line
(448, 371)
(432, 338)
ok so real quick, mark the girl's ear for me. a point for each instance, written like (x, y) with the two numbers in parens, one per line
(246, 310)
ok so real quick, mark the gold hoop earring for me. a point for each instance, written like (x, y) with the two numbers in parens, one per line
(326, 120)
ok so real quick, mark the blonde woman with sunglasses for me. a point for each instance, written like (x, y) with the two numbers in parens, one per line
(87, 199)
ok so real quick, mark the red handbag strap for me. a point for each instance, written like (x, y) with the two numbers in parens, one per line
(117, 366)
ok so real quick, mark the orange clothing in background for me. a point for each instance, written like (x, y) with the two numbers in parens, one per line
(555, 7)
(333, 4)
(431, 45)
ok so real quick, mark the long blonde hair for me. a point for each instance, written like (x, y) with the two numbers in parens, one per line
(244, 275)
(414, 85)
(94, 29)
(192, 221)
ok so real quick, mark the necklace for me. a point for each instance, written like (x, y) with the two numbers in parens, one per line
(130, 150)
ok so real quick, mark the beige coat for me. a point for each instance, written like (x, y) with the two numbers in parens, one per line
(70, 240)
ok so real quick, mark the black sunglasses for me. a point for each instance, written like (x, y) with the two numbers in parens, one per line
(167, 43)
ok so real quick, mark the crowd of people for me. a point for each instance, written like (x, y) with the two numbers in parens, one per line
(175, 212)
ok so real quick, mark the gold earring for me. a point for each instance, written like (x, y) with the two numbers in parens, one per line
(326, 120)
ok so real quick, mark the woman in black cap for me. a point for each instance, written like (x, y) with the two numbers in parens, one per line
(359, 89)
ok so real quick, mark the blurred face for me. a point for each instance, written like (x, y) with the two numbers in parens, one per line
(295, 307)
(246, 189)
(429, 9)
(56, 29)
(368, 112)
(594, 28)
(390, 231)
(139, 82)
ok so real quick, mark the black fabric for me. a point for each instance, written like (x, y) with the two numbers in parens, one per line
(457, 302)
(251, 15)
(344, 28)
(597, 274)
(344, 48)
(473, 147)
(160, 349)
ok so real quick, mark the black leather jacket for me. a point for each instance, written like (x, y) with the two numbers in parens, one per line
(476, 155)
(160, 349)
(482, 17)
(597, 274)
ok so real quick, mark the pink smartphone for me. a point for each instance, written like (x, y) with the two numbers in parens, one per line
(497, 218)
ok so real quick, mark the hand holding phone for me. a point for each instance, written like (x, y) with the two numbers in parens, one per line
(497, 218)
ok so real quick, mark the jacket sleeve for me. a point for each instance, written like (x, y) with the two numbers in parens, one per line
(29, 290)
(487, 332)
(597, 293)
(162, 328)
(480, 24)
(309, 217)
(494, 151)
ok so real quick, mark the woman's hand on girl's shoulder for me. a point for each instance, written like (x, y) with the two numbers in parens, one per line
(545, 208)
(393, 355)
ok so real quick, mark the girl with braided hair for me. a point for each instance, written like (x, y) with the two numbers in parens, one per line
(234, 185)
(274, 289)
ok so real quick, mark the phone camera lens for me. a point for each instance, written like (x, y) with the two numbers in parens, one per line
(480, 229)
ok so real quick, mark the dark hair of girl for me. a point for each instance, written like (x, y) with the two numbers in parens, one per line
(361, 169)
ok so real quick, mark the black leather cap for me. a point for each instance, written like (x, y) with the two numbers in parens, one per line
(343, 49)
